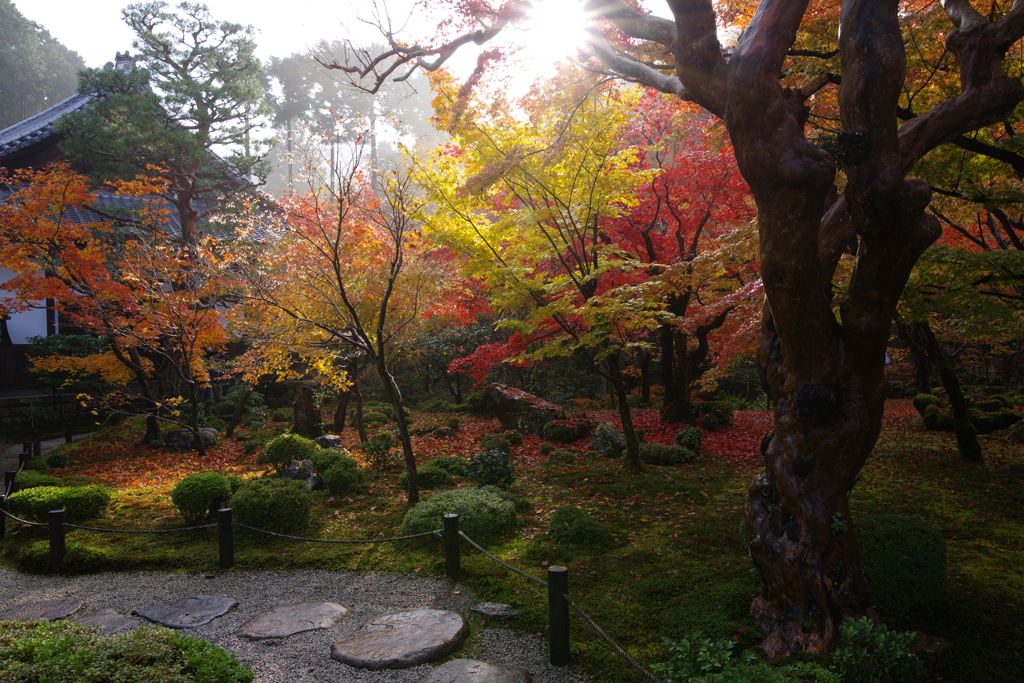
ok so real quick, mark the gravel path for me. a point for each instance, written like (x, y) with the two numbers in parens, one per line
(304, 657)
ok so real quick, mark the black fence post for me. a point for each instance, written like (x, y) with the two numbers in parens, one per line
(558, 615)
(56, 539)
(225, 538)
(25, 455)
(68, 436)
(9, 477)
(452, 560)
(37, 444)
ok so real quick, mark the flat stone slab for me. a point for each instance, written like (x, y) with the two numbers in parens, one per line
(475, 671)
(43, 610)
(110, 622)
(402, 639)
(495, 610)
(286, 620)
(188, 612)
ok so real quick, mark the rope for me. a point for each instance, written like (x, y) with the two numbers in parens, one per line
(506, 566)
(21, 466)
(611, 643)
(139, 531)
(326, 540)
(19, 519)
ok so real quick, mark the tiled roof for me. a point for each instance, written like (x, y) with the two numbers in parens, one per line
(39, 127)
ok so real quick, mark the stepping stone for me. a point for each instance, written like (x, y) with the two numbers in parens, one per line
(402, 639)
(43, 610)
(188, 612)
(475, 671)
(495, 610)
(110, 622)
(285, 620)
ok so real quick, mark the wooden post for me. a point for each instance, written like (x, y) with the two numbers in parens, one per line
(56, 539)
(558, 615)
(225, 538)
(9, 477)
(452, 560)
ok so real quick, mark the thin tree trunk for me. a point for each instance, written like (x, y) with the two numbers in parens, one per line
(919, 352)
(631, 459)
(966, 435)
(391, 387)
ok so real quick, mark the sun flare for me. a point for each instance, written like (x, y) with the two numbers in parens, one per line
(555, 30)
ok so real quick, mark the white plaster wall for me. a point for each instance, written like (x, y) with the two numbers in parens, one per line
(23, 325)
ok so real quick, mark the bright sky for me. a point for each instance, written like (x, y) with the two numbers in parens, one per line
(94, 28)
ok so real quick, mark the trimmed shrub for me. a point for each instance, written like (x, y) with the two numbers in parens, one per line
(922, 401)
(452, 464)
(194, 495)
(324, 458)
(720, 410)
(905, 560)
(484, 512)
(283, 449)
(343, 475)
(491, 467)
(281, 414)
(79, 503)
(235, 482)
(79, 558)
(428, 476)
(571, 525)
(691, 438)
(27, 479)
(37, 465)
(662, 454)
(66, 652)
(57, 460)
(546, 448)
(937, 419)
(374, 418)
(566, 431)
(278, 505)
(495, 442)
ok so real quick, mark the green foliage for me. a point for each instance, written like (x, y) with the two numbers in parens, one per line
(695, 656)
(495, 442)
(283, 449)
(378, 450)
(762, 672)
(922, 401)
(874, 654)
(429, 476)
(708, 422)
(559, 457)
(80, 503)
(484, 512)
(547, 448)
(37, 465)
(566, 431)
(452, 423)
(571, 525)
(29, 479)
(66, 652)
(235, 482)
(73, 346)
(225, 407)
(195, 493)
(905, 561)
(492, 467)
(372, 417)
(453, 464)
(663, 454)
(720, 410)
(79, 558)
(281, 414)
(57, 460)
(343, 475)
(690, 438)
(325, 457)
(937, 418)
(278, 505)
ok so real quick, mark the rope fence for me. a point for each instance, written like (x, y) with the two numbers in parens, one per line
(559, 603)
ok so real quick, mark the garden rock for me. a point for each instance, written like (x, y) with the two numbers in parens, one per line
(43, 610)
(329, 441)
(110, 622)
(183, 439)
(495, 610)
(516, 409)
(1015, 432)
(402, 639)
(475, 671)
(607, 440)
(286, 620)
(302, 470)
(188, 612)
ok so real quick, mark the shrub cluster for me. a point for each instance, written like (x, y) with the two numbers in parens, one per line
(278, 505)
(492, 467)
(28, 479)
(905, 560)
(66, 652)
(663, 454)
(194, 495)
(452, 464)
(342, 475)
(79, 558)
(484, 512)
(496, 442)
(691, 438)
(283, 449)
(428, 476)
(571, 525)
(566, 431)
(79, 503)
(57, 460)
(712, 415)
(874, 654)
(988, 415)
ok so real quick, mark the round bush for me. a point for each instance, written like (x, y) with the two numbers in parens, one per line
(324, 458)
(571, 525)
(283, 449)
(662, 454)
(343, 476)
(374, 418)
(37, 465)
(194, 495)
(483, 512)
(281, 415)
(278, 505)
(905, 561)
(922, 401)
(491, 467)
(708, 422)
(80, 503)
(27, 479)
(57, 460)
(495, 442)
(429, 476)
(691, 438)
(79, 558)
(452, 464)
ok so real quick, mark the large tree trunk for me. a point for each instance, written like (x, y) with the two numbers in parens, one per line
(306, 419)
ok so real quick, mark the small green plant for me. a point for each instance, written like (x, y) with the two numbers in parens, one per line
(546, 448)
(281, 415)
(491, 467)
(57, 460)
(37, 465)
(874, 654)
(696, 656)
(378, 450)
(194, 495)
(484, 512)
(837, 523)
(278, 505)
(663, 454)
(571, 525)
(80, 503)
(560, 458)
(283, 449)
(428, 476)
(343, 475)
(691, 438)
(495, 442)
(452, 423)
(452, 464)
(566, 431)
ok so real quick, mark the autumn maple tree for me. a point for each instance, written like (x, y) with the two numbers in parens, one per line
(822, 359)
